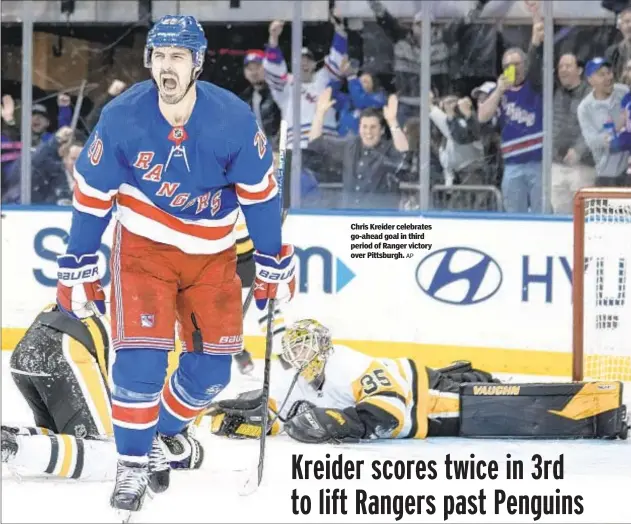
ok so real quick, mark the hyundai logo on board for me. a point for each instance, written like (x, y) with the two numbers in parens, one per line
(459, 275)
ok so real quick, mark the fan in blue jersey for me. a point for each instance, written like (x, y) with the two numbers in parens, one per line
(178, 157)
(622, 140)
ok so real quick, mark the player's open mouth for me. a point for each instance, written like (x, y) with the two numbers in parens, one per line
(169, 83)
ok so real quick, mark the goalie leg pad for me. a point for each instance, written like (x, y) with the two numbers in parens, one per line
(319, 425)
(570, 410)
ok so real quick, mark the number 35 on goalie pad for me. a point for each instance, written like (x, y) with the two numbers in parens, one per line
(572, 410)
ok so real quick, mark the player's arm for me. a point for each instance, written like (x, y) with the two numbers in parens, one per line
(379, 412)
(98, 173)
(380, 401)
(250, 169)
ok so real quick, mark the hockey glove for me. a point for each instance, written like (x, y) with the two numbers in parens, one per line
(272, 271)
(240, 417)
(79, 290)
(320, 425)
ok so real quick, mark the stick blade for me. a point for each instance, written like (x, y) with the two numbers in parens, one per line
(251, 484)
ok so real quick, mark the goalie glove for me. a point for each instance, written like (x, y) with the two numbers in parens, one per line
(272, 271)
(320, 425)
(239, 418)
(79, 290)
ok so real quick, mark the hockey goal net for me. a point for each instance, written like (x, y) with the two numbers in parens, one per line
(601, 294)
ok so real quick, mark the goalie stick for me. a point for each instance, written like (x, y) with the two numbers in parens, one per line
(250, 485)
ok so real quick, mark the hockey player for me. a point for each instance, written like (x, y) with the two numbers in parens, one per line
(178, 157)
(61, 368)
(246, 272)
(325, 393)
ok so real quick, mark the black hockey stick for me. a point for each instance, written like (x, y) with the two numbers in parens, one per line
(250, 487)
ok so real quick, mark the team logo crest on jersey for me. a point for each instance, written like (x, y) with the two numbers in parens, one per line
(214, 389)
(147, 320)
(95, 151)
(260, 141)
(178, 135)
(80, 431)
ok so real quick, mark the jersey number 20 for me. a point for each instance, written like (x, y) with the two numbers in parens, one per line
(371, 381)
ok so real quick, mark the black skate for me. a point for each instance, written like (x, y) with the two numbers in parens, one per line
(131, 487)
(183, 451)
(9, 443)
(244, 361)
(159, 470)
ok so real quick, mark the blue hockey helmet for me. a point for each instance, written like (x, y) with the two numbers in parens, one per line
(177, 31)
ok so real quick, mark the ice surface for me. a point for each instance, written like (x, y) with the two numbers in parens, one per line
(599, 471)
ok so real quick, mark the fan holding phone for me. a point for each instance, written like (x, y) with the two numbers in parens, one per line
(518, 104)
(509, 74)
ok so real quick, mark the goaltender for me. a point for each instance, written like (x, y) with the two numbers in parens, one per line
(322, 392)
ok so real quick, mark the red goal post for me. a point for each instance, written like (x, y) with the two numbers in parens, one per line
(601, 285)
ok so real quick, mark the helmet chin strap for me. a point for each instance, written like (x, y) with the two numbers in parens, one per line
(194, 75)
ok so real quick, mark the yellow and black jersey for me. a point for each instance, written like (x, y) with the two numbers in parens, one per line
(245, 247)
(73, 358)
(393, 394)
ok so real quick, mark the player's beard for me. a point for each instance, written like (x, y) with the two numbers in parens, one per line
(175, 94)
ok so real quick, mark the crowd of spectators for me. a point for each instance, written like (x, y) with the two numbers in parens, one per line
(53, 152)
(360, 130)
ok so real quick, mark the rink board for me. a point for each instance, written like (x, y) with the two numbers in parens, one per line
(494, 288)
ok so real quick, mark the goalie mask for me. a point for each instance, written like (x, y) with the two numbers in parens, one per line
(306, 347)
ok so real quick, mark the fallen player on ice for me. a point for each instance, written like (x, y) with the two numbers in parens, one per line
(320, 392)
(61, 368)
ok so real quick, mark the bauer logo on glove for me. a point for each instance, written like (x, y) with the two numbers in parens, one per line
(274, 271)
(79, 290)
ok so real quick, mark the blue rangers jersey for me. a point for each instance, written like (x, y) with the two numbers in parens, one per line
(622, 140)
(521, 120)
(181, 186)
